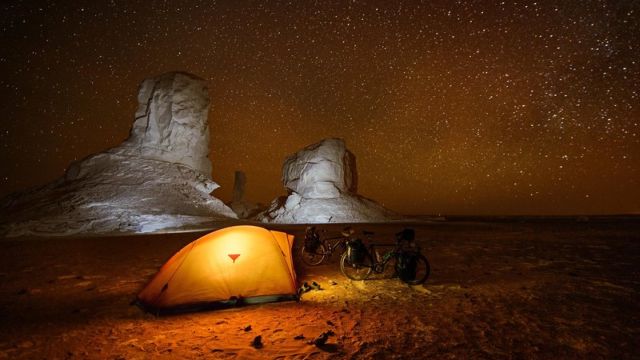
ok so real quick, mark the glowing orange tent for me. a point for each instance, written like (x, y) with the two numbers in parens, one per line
(232, 266)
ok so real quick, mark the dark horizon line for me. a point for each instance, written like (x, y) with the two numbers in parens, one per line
(524, 215)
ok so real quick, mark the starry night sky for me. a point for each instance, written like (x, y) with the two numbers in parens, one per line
(450, 107)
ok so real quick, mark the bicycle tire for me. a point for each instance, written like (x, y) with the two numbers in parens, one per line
(357, 272)
(313, 258)
(423, 270)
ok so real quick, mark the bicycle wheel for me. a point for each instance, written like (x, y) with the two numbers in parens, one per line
(423, 269)
(313, 258)
(356, 271)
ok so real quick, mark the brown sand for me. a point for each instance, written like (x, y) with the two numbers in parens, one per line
(542, 289)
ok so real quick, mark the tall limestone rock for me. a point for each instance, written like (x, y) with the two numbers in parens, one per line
(159, 178)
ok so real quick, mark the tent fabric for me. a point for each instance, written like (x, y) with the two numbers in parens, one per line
(231, 266)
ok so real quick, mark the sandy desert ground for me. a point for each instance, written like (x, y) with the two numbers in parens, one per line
(498, 289)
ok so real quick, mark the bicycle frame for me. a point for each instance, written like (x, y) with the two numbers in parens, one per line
(332, 247)
(323, 251)
(411, 266)
(379, 265)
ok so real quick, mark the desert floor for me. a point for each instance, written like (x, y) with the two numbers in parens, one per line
(498, 289)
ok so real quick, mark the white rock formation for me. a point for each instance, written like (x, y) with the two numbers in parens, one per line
(322, 183)
(171, 122)
(159, 178)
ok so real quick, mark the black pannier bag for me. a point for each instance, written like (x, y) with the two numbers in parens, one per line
(356, 251)
(406, 234)
(407, 266)
(311, 242)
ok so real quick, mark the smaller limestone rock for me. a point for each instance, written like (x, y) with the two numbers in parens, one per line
(321, 171)
(322, 181)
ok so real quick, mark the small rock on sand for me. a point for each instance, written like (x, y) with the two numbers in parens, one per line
(257, 342)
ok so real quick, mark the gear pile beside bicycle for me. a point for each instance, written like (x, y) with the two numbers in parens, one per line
(359, 260)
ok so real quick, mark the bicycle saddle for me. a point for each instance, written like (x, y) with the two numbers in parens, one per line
(348, 231)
